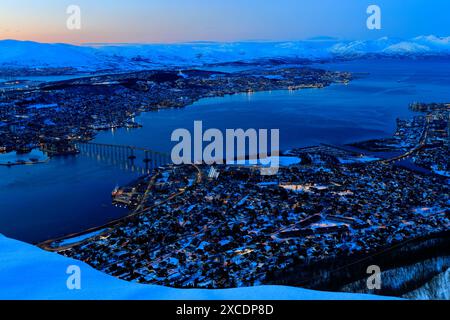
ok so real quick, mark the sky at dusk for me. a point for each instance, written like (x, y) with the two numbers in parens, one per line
(149, 21)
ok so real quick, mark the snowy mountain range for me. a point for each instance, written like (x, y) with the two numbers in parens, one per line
(27, 272)
(93, 57)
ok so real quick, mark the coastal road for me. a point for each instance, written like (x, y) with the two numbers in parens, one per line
(420, 145)
(47, 245)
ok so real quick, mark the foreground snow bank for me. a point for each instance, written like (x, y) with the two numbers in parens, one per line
(27, 272)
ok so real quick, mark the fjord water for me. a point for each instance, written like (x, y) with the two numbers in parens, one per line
(70, 194)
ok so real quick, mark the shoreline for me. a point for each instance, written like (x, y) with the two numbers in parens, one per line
(323, 78)
(46, 245)
(348, 78)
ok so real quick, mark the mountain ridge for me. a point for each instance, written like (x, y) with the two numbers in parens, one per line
(93, 57)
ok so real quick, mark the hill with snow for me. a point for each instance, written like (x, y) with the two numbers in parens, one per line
(137, 56)
(27, 272)
(34, 54)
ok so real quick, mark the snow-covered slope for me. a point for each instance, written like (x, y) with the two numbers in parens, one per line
(135, 56)
(436, 289)
(33, 54)
(27, 272)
